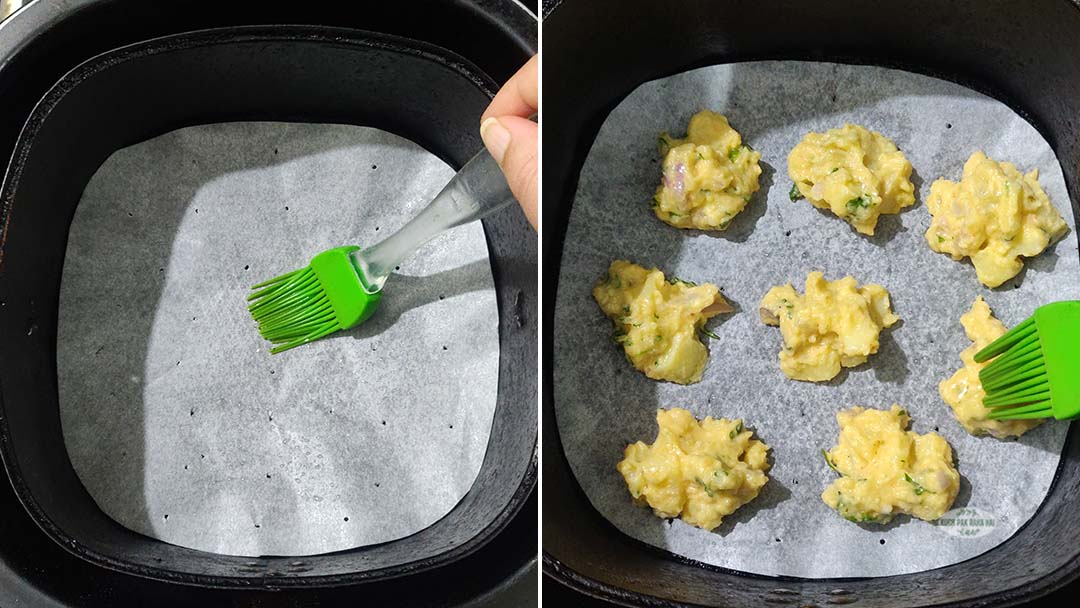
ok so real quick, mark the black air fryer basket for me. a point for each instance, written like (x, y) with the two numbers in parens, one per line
(83, 79)
(1025, 53)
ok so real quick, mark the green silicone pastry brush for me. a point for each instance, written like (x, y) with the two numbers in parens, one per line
(341, 287)
(1037, 374)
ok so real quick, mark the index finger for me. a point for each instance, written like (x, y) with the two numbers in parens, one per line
(519, 96)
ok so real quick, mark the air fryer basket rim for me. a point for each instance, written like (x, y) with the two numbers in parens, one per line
(228, 36)
(573, 123)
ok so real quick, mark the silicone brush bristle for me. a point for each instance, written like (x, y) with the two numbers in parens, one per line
(1035, 373)
(1016, 384)
(292, 309)
(307, 304)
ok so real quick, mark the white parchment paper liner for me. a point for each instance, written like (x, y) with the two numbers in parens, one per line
(176, 418)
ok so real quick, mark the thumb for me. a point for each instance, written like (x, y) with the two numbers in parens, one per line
(512, 142)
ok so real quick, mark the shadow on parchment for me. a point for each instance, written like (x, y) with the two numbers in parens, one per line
(404, 292)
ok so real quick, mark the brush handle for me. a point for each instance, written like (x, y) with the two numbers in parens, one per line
(478, 190)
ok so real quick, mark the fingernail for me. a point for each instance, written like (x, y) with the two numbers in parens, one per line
(496, 138)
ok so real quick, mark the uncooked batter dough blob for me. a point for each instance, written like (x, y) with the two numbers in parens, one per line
(886, 470)
(657, 319)
(834, 324)
(964, 392)
(709, 176)
(856, 173)
(699, 471)
(994, 215)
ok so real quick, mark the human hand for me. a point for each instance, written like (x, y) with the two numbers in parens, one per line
(511, 137)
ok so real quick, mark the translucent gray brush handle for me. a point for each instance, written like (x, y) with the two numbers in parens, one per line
(479, 189)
